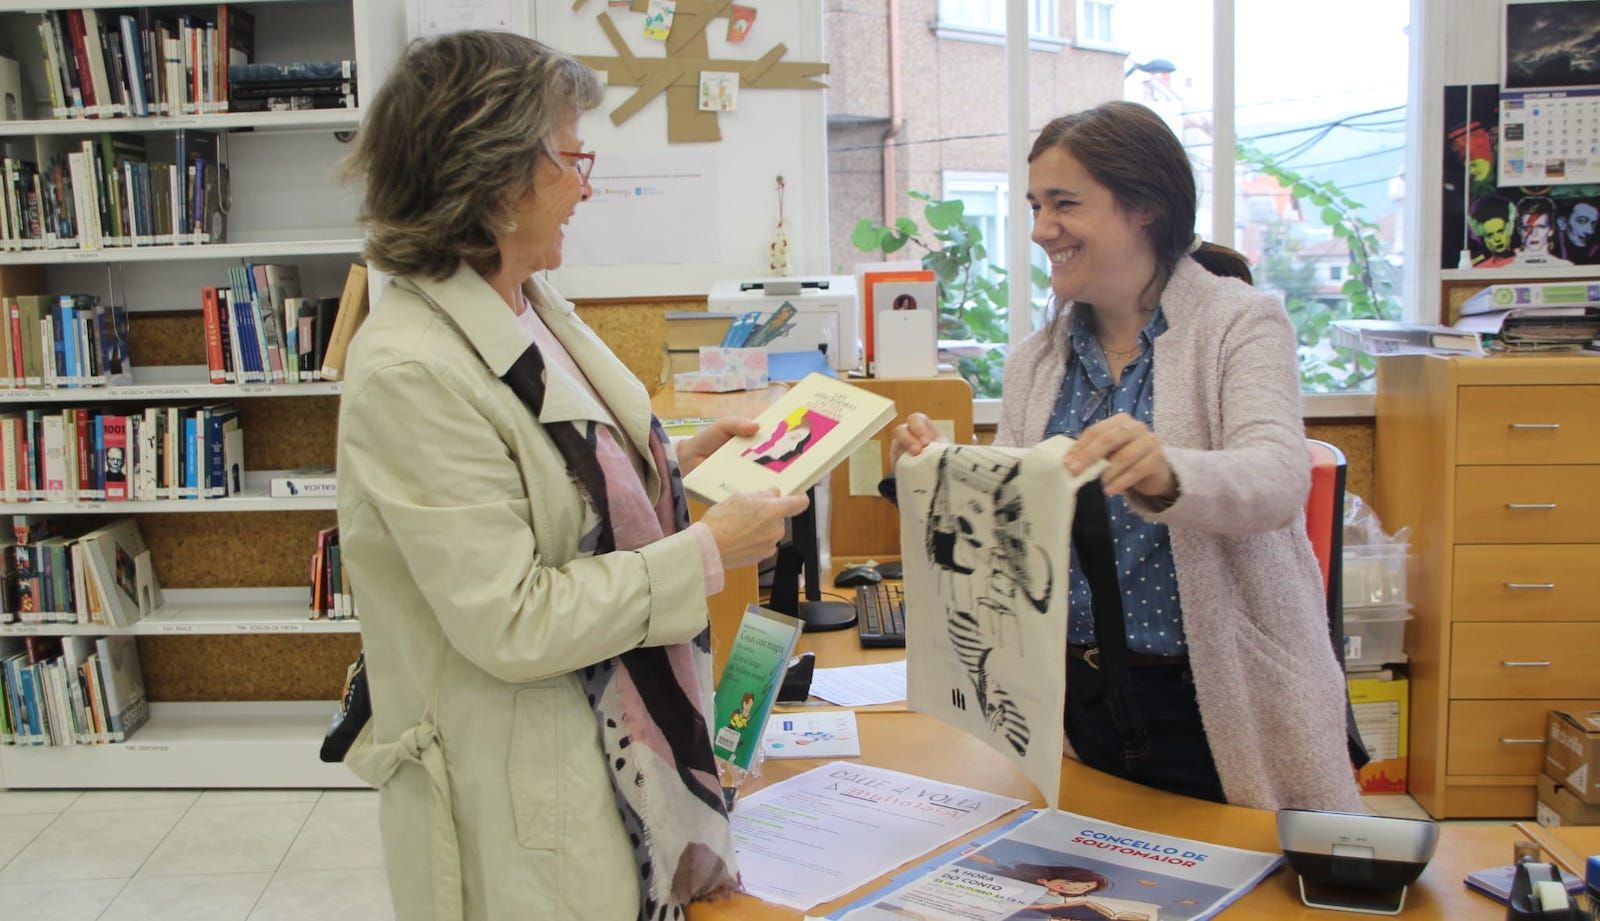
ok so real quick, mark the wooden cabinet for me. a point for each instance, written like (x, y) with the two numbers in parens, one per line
(1494, 464)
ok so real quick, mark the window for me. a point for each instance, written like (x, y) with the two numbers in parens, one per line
(990, 16)
(1097, 22)
(1335, 272)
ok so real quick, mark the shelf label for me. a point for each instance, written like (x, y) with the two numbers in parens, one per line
(145, 747)
(272, 628)
(255, 388)
(178, 121)
(83, 254)
(176, 628)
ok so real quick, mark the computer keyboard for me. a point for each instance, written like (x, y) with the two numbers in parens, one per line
(881, 614)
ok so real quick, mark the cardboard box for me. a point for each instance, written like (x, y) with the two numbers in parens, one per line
(1572, 752)
(1382, 714)
(1557, 805)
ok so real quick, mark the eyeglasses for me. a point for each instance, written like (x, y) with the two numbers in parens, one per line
(582, 162)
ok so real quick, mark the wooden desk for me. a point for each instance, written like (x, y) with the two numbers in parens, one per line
(921, 745)
(739, 586)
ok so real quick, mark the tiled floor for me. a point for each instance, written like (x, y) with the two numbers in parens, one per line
(221, 855)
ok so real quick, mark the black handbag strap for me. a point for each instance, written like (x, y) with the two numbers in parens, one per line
(1091, 537)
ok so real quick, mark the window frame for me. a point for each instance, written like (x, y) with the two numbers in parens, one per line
(1224, 172)
(1044, 23)
(1107, 42)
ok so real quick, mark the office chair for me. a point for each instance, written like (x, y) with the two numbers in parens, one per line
(1325, 527)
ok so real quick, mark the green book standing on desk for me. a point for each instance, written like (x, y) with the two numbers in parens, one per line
(750, 683)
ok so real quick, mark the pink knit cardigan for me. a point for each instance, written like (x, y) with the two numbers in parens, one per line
(1227, 408)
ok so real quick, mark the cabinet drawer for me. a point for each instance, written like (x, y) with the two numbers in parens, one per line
(1528, 505)
(1526, 583)
(1524, 661)
(1528, 425)
(1502, 736)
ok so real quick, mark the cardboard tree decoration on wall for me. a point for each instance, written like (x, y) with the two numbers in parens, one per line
(678, 74)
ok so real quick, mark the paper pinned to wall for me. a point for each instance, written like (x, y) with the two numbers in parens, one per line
(866, 469)
(438, 17)
(985, 535)
(945, 427)
(653, 208)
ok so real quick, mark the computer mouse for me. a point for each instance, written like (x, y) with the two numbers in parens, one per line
(857, 575)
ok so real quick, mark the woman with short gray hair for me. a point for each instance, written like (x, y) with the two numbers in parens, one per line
(513, 520)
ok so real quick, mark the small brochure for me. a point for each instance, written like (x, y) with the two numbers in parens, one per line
(1062, 865)
(750, 682)
(830, 734)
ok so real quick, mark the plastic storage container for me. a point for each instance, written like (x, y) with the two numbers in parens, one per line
(1375, 636)
(1374, 574)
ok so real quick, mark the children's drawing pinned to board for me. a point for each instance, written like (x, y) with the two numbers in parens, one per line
(779, 261)
(658, 19)
(740, 21)
(719, 91)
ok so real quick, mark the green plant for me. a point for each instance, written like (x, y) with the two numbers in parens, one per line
(1370, 284)
(973, 293)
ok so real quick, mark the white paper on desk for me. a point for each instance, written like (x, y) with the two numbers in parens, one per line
(985, 535)
(815, 837)
(830, 734)
(861, 685)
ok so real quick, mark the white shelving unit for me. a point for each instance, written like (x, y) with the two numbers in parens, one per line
(169, 382)
(256, 497)
(189, 745)
(210, 611)
(287, 203)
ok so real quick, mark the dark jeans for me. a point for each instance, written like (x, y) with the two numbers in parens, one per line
(1147, 731)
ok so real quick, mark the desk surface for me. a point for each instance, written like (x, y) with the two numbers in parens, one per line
(917, 744)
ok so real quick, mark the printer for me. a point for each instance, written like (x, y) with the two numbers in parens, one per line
(828, 312)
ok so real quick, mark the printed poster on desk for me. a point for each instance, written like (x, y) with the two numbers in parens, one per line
(1059, 865)
(984, 535)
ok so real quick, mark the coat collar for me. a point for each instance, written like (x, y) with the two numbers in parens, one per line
(499, 339)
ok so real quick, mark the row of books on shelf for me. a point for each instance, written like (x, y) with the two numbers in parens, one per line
(67, 340)
(293, 86)
(331, 598)
(73, 690)
(261, 328)
(163, 452)
(111, 192)
(147, 61)
(64, 573)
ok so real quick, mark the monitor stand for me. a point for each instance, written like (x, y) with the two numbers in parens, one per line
(800, 555)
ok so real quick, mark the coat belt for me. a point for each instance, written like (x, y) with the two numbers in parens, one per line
(376, 762)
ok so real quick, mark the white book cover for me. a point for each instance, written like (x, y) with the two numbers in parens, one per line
(811, 429)
(126, 706)
(302, 482)
(55, 459)
(113, 553)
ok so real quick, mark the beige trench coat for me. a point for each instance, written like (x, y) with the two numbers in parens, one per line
(460, 528)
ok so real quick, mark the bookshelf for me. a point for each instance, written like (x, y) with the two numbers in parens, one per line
(241, 683)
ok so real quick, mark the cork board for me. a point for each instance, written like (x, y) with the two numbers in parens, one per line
(1356, 438)
(637, 333)
(197, 668)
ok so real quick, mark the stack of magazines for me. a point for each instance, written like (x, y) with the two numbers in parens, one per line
(1551, 316)
(297, 85)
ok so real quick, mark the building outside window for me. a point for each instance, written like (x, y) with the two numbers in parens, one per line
(1316, 159)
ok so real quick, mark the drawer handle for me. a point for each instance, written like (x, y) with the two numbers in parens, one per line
(1531, 586)
(1530, 506)
(1506, 741)
(1543, 663)
(1536, 426)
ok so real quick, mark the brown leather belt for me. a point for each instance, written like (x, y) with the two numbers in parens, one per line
(1090, 656)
